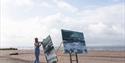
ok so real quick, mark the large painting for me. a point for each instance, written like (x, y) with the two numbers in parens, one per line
(73, 42)
(49, 50)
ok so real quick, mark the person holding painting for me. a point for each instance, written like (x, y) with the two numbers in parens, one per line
(37, 50)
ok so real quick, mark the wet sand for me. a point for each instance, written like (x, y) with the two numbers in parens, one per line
(27, 56)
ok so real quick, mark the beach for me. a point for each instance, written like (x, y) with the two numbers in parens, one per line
(27, 56)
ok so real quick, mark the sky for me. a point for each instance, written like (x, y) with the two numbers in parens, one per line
(101, 21)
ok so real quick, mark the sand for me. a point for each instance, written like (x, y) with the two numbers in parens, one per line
(27, 56)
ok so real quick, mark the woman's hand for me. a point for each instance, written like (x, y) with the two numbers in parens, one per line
(40, 43)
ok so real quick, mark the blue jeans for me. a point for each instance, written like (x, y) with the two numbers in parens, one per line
(37, 53)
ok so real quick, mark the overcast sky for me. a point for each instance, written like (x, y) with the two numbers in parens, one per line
(101, 21)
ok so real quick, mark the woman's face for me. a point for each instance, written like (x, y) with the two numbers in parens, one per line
(36, 40)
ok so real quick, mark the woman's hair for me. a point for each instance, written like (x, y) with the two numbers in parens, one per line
(36, 40)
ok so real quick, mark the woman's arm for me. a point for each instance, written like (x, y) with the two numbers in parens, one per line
(40, 43)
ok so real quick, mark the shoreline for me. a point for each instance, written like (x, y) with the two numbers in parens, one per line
(27, 56)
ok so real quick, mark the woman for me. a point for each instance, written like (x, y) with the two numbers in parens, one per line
(37, 50)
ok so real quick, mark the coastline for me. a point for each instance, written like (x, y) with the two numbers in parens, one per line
(27, 56)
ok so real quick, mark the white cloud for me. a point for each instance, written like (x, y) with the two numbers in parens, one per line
(100, 25)
(97, 28)
(51, 20)
(105, 23)
(21, 2)
(22, 32)
(108, 21)
(17, 2)
(0, 10)
(64, 7)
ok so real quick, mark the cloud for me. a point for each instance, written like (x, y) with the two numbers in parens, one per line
(24, 2)
(45, 4)
(102, 26)
(20, 2)
(0, 10)
(105, 25)
(65, 7)
(97, 28)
